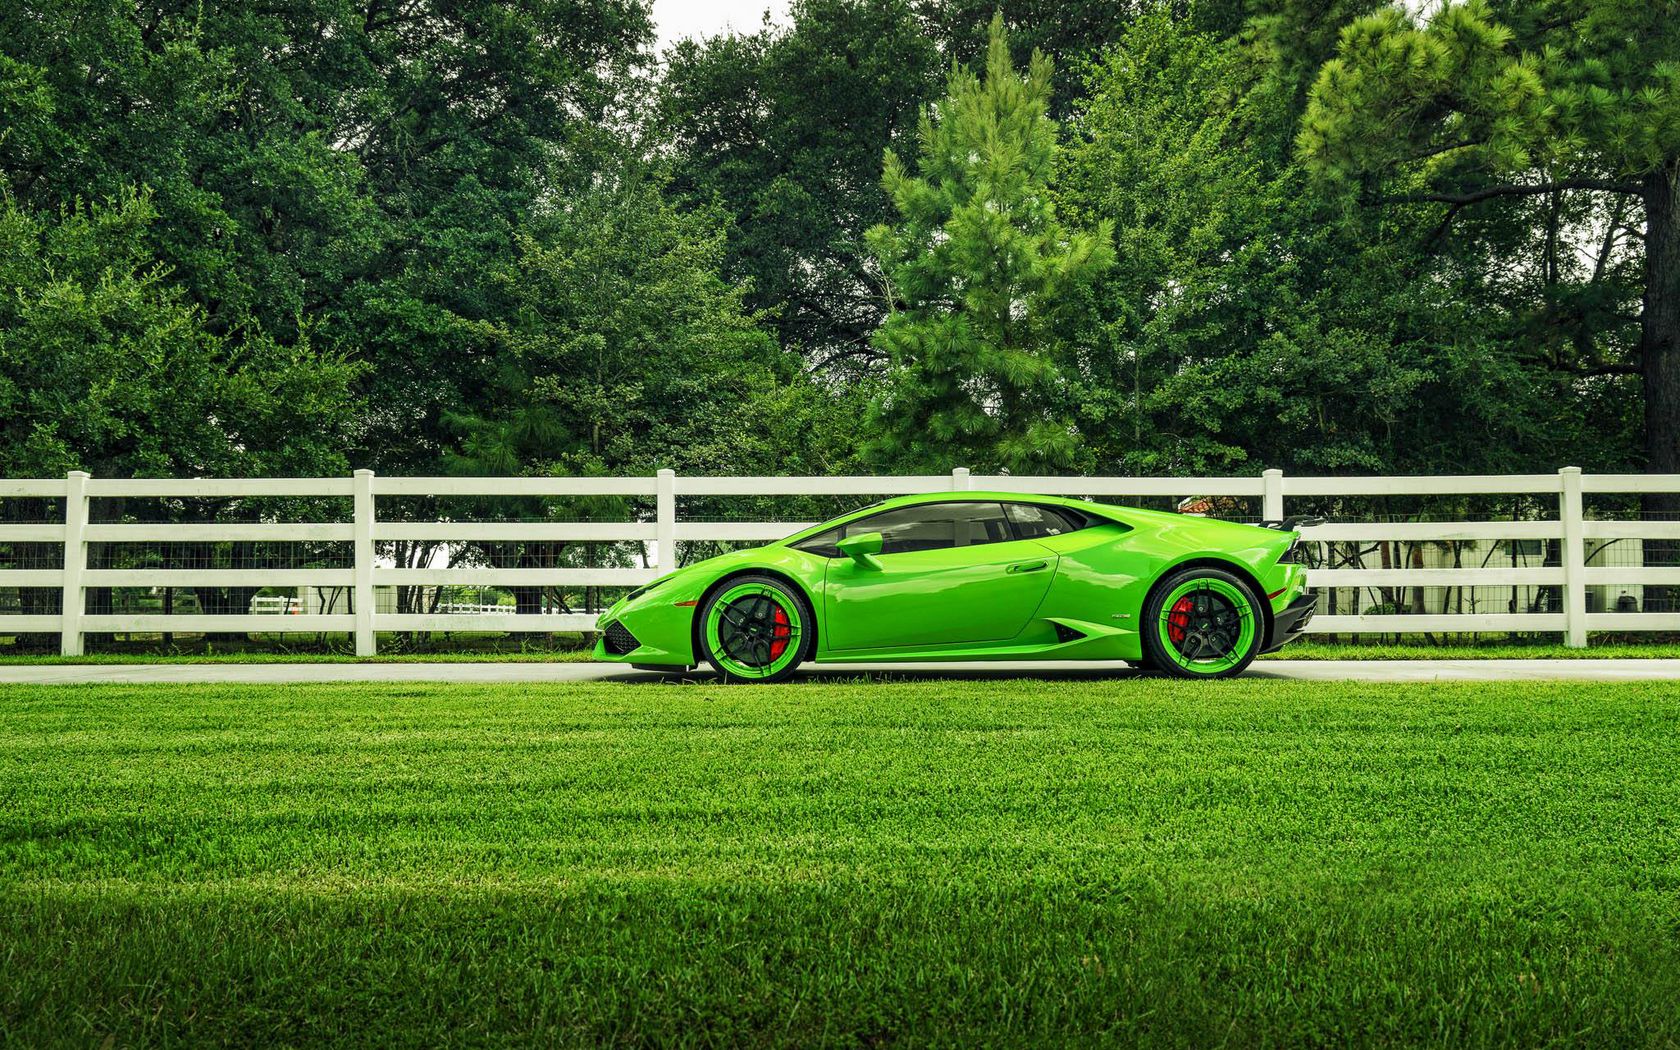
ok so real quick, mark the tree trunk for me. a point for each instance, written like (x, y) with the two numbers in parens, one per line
(527, 601)
(1659, 355)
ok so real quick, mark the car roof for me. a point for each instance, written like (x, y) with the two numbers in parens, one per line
(949, 496)
(1100, 510)
(1130, 517)
(965, 496)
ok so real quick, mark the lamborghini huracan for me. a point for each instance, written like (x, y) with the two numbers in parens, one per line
(976, 576)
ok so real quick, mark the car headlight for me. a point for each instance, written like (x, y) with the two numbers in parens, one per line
(646, 587)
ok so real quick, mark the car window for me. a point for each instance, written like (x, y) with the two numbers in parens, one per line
(1033, 522)
(923, 527)
(822, 544)
(935, 526)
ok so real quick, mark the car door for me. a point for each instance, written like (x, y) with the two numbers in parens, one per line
(948, 574)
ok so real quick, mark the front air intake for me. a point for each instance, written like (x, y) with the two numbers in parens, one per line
(619, 641)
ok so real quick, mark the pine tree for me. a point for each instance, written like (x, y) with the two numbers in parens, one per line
(1487, 104)
(990, 289)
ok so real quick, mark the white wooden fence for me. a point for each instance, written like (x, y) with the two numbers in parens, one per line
(660, 535)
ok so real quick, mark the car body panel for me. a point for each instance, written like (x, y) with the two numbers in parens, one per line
(965, 603)
(939, 597)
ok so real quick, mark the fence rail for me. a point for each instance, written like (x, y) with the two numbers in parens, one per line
(1570, 578)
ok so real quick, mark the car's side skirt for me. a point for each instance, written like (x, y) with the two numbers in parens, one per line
(1090, 641)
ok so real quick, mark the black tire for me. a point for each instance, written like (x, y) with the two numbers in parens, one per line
(802, 625)
(1213, 643)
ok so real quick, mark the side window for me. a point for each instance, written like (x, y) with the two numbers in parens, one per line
(1033, 522)
(935, 526)
(924, 527)
(822, 544)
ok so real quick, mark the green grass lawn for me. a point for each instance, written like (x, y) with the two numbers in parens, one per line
(831, 863)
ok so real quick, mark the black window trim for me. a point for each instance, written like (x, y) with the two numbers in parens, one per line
(1085, 521)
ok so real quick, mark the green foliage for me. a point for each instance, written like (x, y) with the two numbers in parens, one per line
(1326, 236)
(343, 174)
(1482, 89)
(989, 284)
(1250, 322)
(1068, 32)
(785, 131)
(624, 350)
(1538, 131)
(105, 365)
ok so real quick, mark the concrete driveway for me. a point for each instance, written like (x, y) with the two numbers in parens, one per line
(1300, 670)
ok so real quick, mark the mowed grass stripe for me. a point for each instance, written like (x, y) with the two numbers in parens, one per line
(828, 863)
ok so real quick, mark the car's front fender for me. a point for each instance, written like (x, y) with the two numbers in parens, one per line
(661, 616)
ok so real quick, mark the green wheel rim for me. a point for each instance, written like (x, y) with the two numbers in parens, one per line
(1206, 625)
(753, 631)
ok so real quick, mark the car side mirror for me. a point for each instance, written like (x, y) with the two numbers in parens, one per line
(862, 549)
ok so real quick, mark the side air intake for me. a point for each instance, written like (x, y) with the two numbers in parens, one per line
(1064, 633)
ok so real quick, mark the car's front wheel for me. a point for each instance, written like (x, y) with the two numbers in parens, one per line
(755, 629)
(1202, 622)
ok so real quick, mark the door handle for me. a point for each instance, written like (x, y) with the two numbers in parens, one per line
(1028, 566)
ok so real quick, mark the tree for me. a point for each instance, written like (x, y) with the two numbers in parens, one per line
(107, 366)
(349, 170)
(1069, 32)
(988, 285)
(626, 351)
(462, 114)
(1568, 108)
(1249, 321)
(784, 130)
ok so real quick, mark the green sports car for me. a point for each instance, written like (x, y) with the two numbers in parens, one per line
(976, 576)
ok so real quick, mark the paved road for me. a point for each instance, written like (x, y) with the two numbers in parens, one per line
(1310, 670)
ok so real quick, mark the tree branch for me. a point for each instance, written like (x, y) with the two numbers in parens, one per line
(1436, 151)
(1609, 243)
(1513, 190)
(1607, 370)
(862, 352)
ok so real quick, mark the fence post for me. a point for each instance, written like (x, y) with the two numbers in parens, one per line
(1272, 495)
(665, 527)
(73, 603)
(959, 479)
(362, 599)
(1574, 559)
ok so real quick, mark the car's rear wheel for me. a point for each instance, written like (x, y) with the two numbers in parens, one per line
(1202, 623)
(755, 629)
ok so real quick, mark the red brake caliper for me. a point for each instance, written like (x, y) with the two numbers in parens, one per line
(780, 634)
(1179, 618)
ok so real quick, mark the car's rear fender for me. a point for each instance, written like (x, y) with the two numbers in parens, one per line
(1235, 568)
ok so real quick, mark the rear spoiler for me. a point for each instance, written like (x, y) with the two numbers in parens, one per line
(1294, 523)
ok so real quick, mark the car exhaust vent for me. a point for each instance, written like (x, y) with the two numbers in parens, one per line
(1064, 633)
(619, 640)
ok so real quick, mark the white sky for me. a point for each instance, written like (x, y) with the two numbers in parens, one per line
(679, 18)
